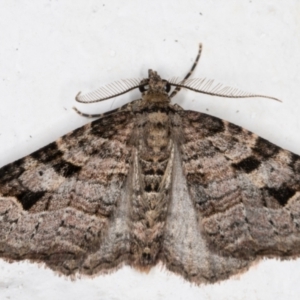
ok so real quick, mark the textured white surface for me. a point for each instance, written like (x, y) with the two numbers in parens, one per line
(52, 49)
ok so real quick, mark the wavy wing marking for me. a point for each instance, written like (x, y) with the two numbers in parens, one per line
(57, 204)
(245, 189)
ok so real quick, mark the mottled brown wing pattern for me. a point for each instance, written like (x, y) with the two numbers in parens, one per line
(153, 183)
(185, 250)
(56, 204)
(245, 189)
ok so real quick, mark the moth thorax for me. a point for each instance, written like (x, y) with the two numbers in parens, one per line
(156, 97)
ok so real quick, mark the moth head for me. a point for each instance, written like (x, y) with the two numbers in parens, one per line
(154, 84)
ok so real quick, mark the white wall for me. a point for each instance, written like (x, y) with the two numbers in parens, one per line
(50, 50)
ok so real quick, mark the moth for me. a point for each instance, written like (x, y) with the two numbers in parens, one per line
(149, 183)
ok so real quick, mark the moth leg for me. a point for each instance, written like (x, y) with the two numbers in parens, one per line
(125, 107)
(177, 89)
(88, 115)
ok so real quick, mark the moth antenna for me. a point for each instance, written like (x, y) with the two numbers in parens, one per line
(109, 91)
(178, 88)
(207, 86)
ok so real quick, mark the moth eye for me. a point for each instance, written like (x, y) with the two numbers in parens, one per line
(143, 88)
(167, 87)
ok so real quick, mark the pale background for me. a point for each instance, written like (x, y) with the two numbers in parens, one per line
(50, 50)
